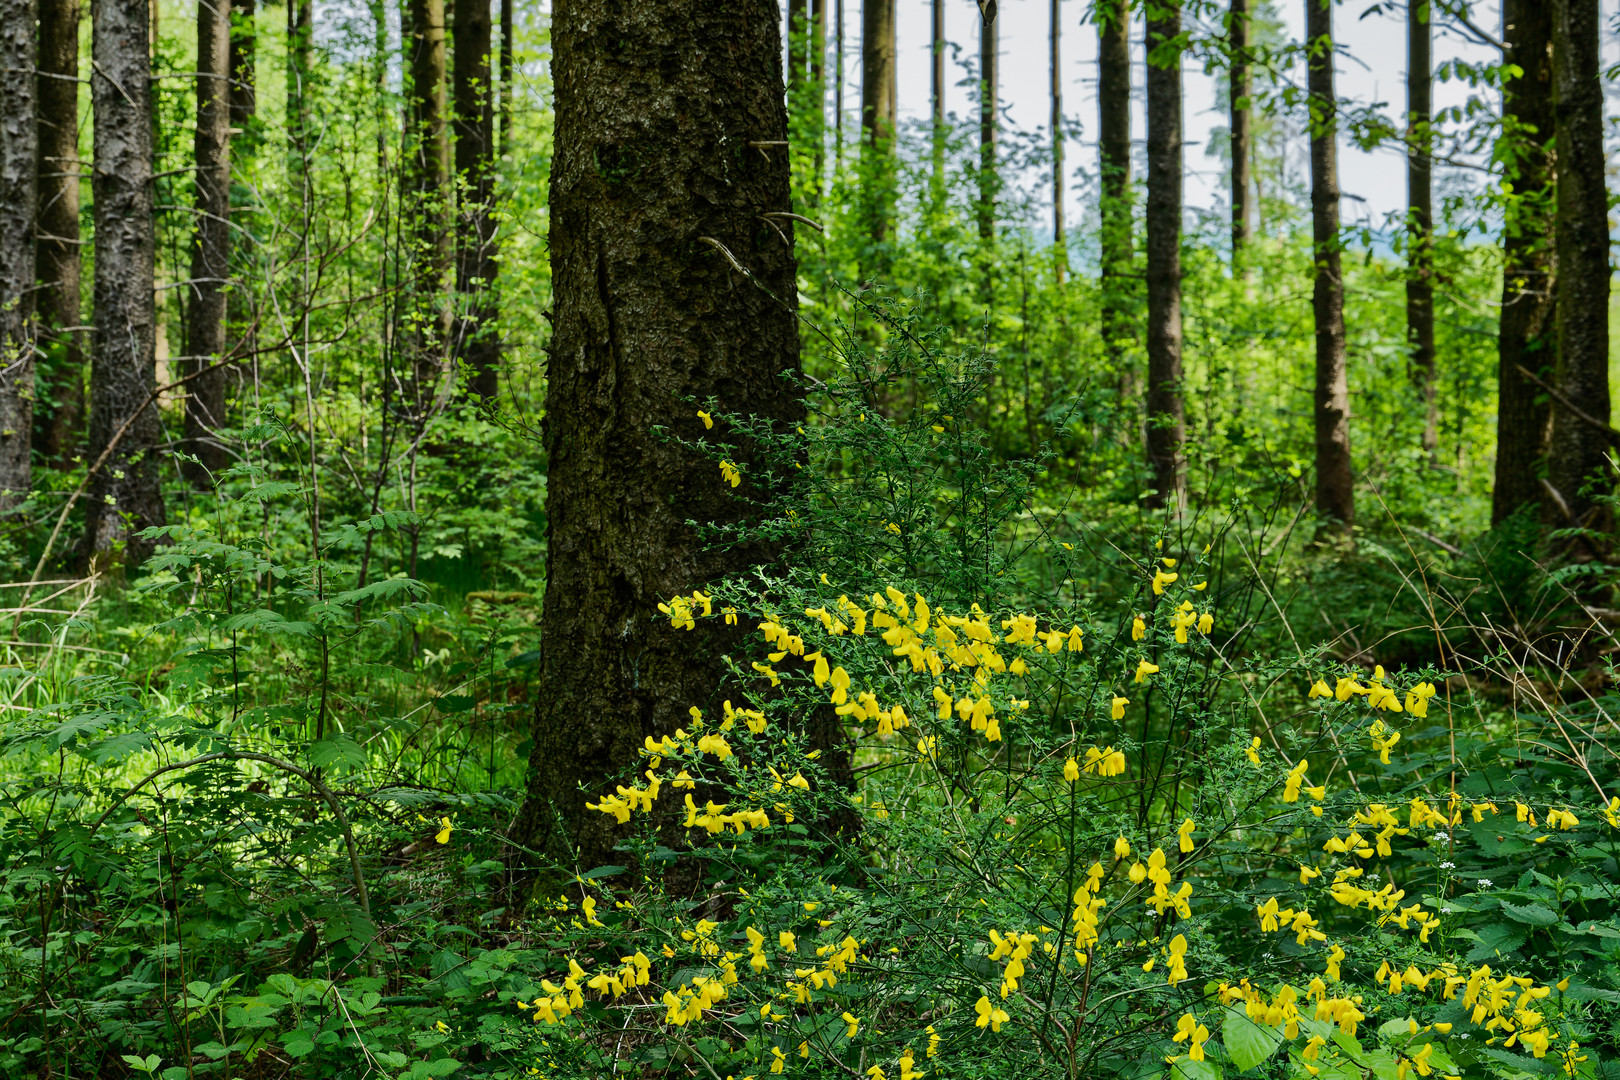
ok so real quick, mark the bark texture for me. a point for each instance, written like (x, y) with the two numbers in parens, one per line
(1526, 337)
(1335, 482)
(124, 496)
(1058, 240)
(1114, 159)
(1166, 424)
(19, 187)
(1579, 448)
(1239, 87)
(656, 105)
(989, 94)
(879, 91)
(508, 95)
(210, 244)
(1420, 215)
(476, 338)
(432, 201)
(59, 403)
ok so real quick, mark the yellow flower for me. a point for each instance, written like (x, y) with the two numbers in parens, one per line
(1144, 669)
(854, 1023)
(1162, 578)
(1319, 689)
(1185, 832)
(989, 1015)
(1254, 751)
(1118, 712)
(1071, 770)
(443, 835)
(1122, 848)
(1138, 628)
(708, 421)
(1206, 623)
(730, 474)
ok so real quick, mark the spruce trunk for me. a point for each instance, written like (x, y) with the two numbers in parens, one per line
(1335, 483)
(476, 337)
(1114, 160)
(19, 187)
(1166, 426)
(1420, 215)
(210, 245)
(59, 409)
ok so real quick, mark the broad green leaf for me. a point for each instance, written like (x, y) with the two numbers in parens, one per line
(1247, 1043)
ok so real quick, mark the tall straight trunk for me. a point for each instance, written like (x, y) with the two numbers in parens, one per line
(300, 51)
(476, 339)
(1579, 448)
(647, 202)
(19, 189)
(1166, 426)
(508, 88)
(936, 46)
(879, 96)
(1335, 483)
(1059, 242)
(243, 63)
(1420, 214)
(1239, 89)
(124, 496)
(818, 76)
(989, 93)
(1114, 160)
(798, 34)
(59, 406)
(211, 243)
(1526, 336)
(429, 143)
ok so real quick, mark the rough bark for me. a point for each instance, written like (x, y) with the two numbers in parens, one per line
(431, 198)
(210, 244)
(1578, 448)
(1114, 160)
(59, 404)
(1525, 336)
(656, 105)
(1420, 215)
(1239, 88)
(879, 94)
(508, 90)
(1166, 426)
(989, 94)
(124, 496)
(19, 188)
(1059, 240)
(1335, 482)
(476, 337)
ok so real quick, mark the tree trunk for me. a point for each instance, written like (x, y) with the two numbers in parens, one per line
(1525, 336)
(19, 189)
(879, 116)
(1420, 215)
(989, 80)
(656, 105)
(476, 336)
(1114, 159)
(124, 496)
(1239, 88)
(431, 196)
(59, 408)
(936, 46)
(300, 41)
(1059, 242)
(798, 27)
(243, 61)
(1578, 448)
(211, 243)
(1166, 428)
(1335, 483)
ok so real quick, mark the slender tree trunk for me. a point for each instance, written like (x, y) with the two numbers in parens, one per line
(656, 103)
(1420, 215)
(989, 87)
(1166, 427)
(1579, 449)
(19, 190)
(798, 32)
(1059, 240)
(431, 197)
(1526, 336)
(243, 61)
(1239, 90)
(1114, 159)
(1335, 483)
(124, 496)
(211, 243)
(879, 97)
(508, 87)
(476, 337)
(818, 76)
(300, 67)
(59, 410)
(937, 92)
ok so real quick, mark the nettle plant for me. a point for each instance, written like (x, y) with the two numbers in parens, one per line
(1083, 846)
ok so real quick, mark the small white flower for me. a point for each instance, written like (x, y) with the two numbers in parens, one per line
(1483, 883)
(1448, 866)
(1372, 877)
(1445, 911)
(1442, 838)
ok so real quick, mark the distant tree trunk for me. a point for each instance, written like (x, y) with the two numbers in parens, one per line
(818, 76)
(937, 92)
(1059, 241)
(1166, 428)
(798, 28)
(508, 88)
(243, 61)
(989, 80)
(429, 144)
(300, 66)
(879, 96)
(1335, 483)
(1578, 448)
(59, 409)
(124, 496)
(211, 243)
(1526, 335)
(19, 189)
(656, 103)
(476, 339)
(1239, 88)
(1114, 154)
(1420, 215)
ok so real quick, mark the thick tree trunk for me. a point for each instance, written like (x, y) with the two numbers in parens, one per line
(879, 93)
(476, 337)
(19, 188)
(1579, 448)
(211, 243)
(1420, 215)
(431, 197)
(124, 496)
(656, 105)
(1526, 336)
(989, 93)
(1335, 483)
(1239, 88)
(1059, 241)
(1114, 160)
(1166, 427)
(59, 407)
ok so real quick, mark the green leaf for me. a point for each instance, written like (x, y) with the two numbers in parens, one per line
(1246, 1042)
(1188, 1069)
(298, 1043)
(1534, 914)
